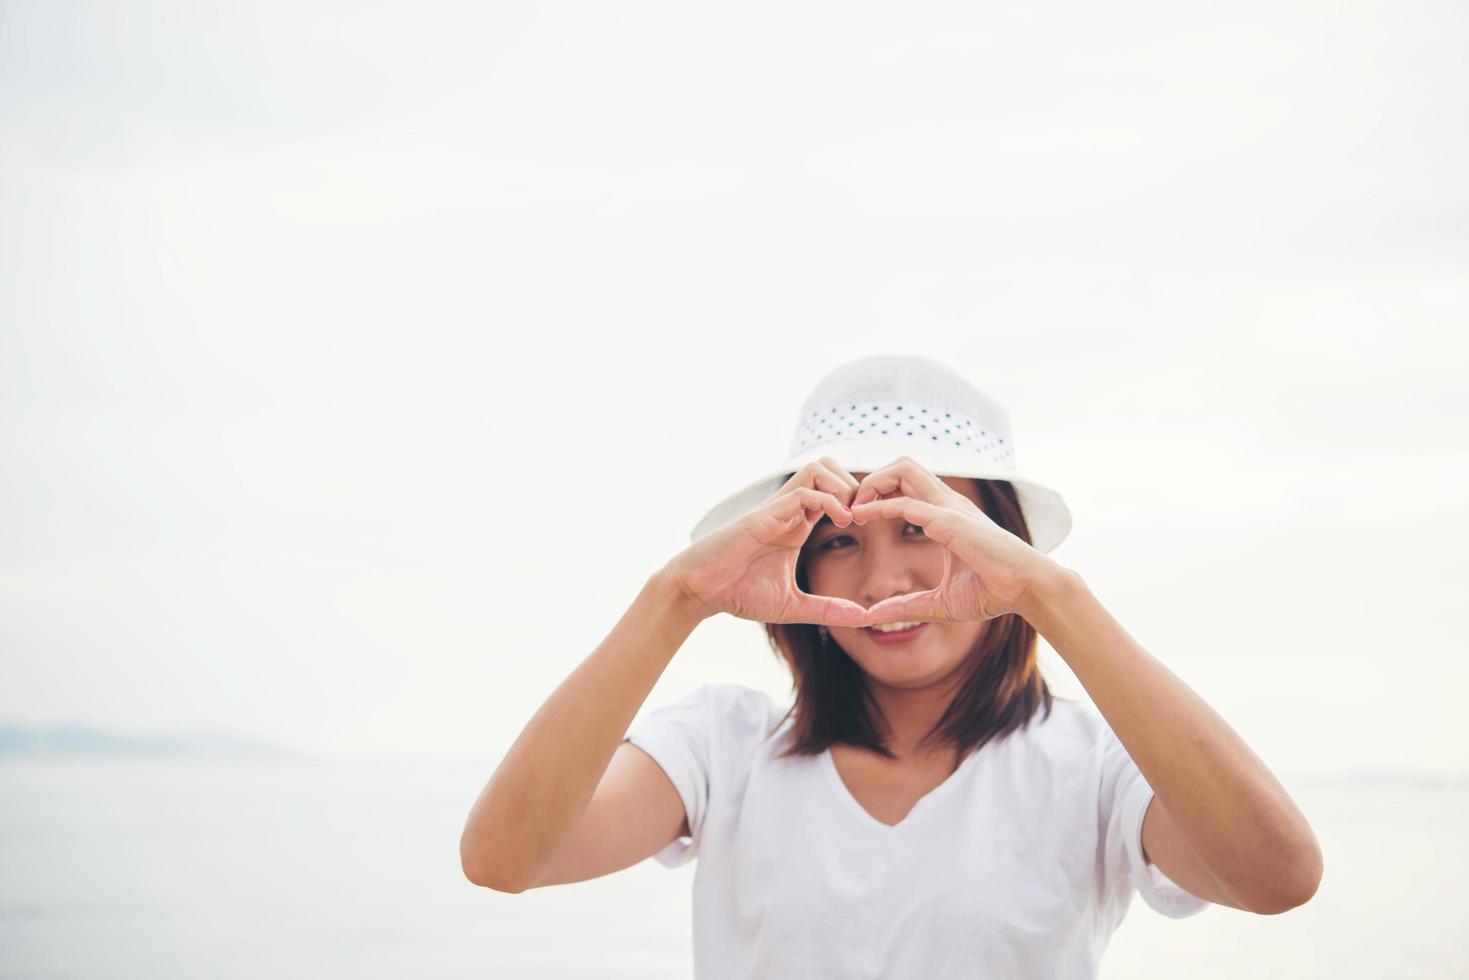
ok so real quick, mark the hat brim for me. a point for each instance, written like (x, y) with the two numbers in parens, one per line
(1046, 514)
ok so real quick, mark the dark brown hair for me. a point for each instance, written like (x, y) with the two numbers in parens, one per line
(1001, 686)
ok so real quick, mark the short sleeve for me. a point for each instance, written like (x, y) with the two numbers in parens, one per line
(679, 736)
(1124, 800)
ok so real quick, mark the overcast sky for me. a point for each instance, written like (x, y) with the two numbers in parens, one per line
(360, 363)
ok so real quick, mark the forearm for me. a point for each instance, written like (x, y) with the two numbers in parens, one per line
(1238, 818)
(548, 776)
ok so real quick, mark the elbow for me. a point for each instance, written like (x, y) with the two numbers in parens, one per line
(496, 886)
(1296, 887)
(482, 871)
(486, 878)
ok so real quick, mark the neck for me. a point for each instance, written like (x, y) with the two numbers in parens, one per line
(912, 712)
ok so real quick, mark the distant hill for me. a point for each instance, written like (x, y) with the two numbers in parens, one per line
(84, 740)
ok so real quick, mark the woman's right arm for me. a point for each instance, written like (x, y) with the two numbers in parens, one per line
(548, 776)
(537, 797)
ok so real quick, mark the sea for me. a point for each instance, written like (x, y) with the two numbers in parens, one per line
(180, 869)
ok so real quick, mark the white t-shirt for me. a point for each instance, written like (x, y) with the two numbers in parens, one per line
(1020, 865)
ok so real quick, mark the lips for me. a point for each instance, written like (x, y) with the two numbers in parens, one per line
(887, 638)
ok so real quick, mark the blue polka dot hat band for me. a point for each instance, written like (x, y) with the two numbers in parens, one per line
(868, 412)
(908, 421)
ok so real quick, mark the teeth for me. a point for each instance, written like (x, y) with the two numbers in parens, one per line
(894, 627)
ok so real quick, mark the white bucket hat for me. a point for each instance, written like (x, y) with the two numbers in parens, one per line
(868, 412)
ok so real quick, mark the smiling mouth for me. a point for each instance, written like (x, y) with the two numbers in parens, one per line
(893, 636)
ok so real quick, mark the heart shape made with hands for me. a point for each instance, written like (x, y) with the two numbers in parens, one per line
(987, 569)
(930, 605)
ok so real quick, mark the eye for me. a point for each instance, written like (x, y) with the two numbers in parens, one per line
(826, 546)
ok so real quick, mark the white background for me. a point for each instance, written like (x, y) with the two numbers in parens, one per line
(359, 363)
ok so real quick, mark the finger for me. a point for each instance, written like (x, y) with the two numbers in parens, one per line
(844, 475)
(819, 476)
(901, 476)
(918, 606)
(930, 517)
(828, 611)
(803, 501)
(828, 475)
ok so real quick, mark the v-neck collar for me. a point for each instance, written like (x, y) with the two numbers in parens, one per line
(834, 777)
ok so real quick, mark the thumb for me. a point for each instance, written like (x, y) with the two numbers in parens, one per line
(914, 606)
(829, 611)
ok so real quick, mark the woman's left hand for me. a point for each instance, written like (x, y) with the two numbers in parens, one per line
(995, 569)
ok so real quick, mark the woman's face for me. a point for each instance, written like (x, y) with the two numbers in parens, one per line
(886, 557)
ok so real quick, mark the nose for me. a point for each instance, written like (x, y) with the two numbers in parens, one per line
(887, 572)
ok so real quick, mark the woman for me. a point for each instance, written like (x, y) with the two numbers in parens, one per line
(926, 807)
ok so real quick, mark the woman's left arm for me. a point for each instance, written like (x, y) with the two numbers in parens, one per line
(1220, 823)
(1224, 816)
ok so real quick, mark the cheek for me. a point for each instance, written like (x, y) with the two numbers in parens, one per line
(821, 580)
(965, 635)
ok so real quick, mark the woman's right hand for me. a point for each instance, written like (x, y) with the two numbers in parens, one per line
(748, 567)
